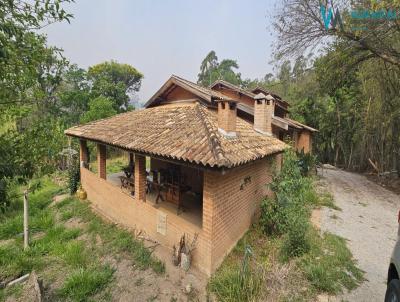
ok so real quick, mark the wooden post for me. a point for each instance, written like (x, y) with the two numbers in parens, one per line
(26, 227)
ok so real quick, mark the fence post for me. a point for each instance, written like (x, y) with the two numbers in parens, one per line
(26, 228)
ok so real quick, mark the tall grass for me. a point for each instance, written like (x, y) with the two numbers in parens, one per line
(239, 282)
(84, 283)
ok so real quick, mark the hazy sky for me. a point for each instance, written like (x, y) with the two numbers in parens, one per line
(164, 37)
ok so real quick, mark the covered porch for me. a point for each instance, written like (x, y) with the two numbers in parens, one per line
(176, 189)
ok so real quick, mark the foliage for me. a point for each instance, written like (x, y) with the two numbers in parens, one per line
(74, 176)
(21, 48)
(237, 283)
(300, 27)
(212, 70)
(116, 82)
(335, 268)
(307, 162)
(288, 212)
(100, 107)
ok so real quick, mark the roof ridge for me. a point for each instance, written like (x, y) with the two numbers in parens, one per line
(233, 86)
(213, 140)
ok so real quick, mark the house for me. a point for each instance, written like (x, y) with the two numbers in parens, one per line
(202, 160)
(282, 125)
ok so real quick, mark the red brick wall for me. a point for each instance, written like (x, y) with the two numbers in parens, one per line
(230, 204)
(127, 211)
(304, 141)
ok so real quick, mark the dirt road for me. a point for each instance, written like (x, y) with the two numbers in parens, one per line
(368, 220)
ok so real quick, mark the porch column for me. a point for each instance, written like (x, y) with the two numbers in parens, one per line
(131, 159)
(83, 153)
(101, 161)
(140, 177)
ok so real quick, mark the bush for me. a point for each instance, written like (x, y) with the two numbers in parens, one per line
(288, 212)
(74, 176)
(306, 162)
(296, 242)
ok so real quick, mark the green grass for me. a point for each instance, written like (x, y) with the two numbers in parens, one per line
(114, 165)
(84, 283)
(334, 269)
(326, 200)
(59, 252)
(232, 284)
(328, 267)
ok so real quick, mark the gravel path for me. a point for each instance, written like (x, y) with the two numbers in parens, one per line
(368, 220)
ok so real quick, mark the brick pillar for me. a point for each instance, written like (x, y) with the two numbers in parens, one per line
(140, 177)
(83, 153)
(209, 184)
(101, 161)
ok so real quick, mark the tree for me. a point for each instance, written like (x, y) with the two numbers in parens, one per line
(74, 95)
(211, 70)
(115, 81)
(207, 68)
(21, 48)
(301, 26)
(100, 107)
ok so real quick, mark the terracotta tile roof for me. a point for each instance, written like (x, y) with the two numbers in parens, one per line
(187, 132)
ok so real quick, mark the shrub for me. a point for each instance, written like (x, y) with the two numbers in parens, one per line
(296, 242)
(306, 162)
(74, 175)
(272, 219)
(288, 212)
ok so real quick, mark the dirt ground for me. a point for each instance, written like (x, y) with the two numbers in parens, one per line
(368, 220)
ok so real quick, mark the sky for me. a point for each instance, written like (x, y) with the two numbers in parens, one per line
(164, 37)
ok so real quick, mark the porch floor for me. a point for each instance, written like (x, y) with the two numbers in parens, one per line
(192, 204)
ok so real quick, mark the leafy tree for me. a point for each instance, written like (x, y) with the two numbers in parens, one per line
(115, 81)
(74, 95)
(21, 48)
(211, 70)
(100, 107)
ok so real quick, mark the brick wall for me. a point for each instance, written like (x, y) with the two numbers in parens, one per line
(304, 141)
(230, 204)
(127, 211)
